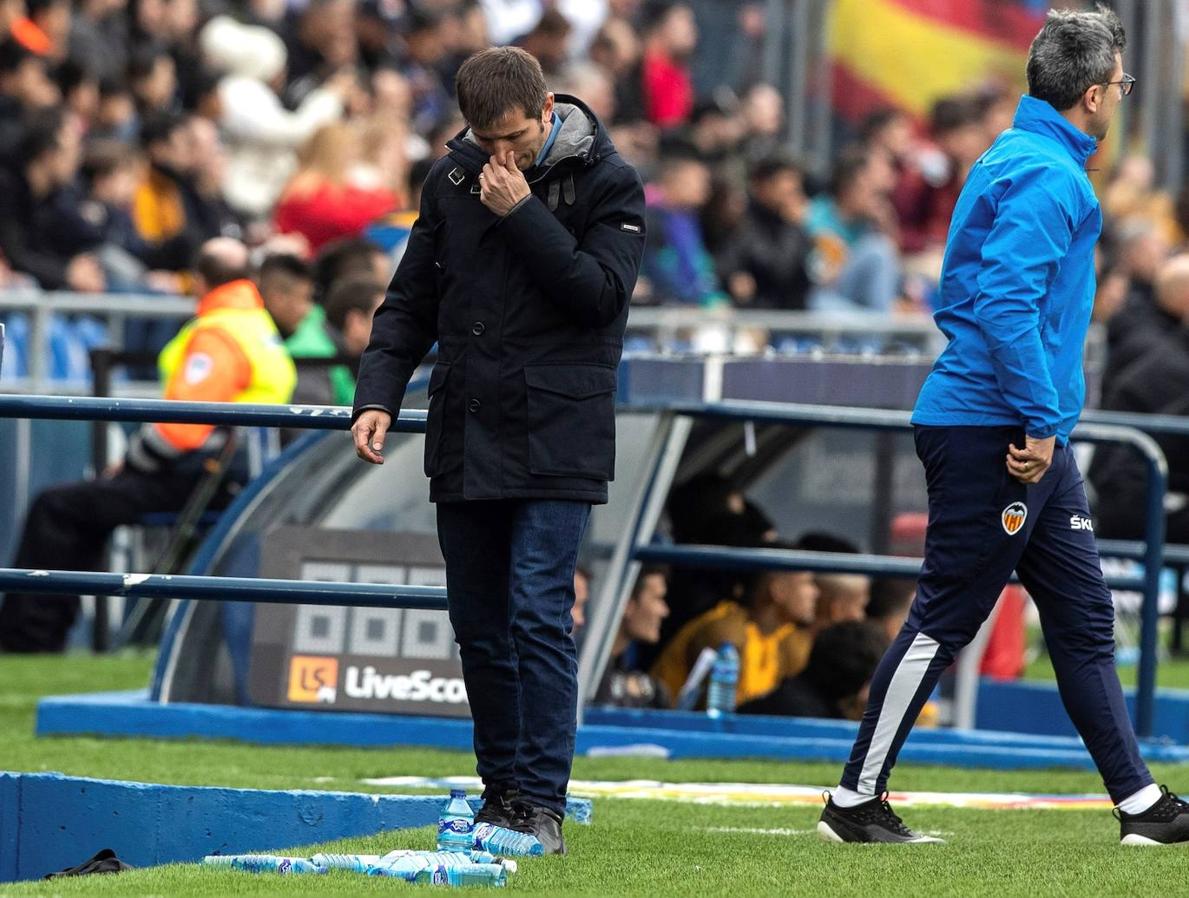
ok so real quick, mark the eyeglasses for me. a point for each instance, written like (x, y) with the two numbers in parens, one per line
(1126, 83)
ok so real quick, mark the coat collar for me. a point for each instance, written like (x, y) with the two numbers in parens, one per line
(241, 294)
(1039, 117)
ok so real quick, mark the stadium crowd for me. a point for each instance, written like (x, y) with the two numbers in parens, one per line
(134, 131)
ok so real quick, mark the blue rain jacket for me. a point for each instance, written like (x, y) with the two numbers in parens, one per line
(1017, 283)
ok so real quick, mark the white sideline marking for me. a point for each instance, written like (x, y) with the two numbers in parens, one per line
(775, 794)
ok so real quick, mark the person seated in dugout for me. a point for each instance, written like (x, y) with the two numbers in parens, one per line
(835, 681)
(771, 628)
(229, 352)
(624, 685)
(841, 597)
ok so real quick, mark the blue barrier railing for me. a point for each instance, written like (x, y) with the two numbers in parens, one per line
(790, 414)
(413, 421)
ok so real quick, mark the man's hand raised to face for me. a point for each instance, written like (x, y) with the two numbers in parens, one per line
(501, 184)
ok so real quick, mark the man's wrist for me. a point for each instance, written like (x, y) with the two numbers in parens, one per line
(519, 204)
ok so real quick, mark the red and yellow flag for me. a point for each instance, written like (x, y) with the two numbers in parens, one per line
(909, 53)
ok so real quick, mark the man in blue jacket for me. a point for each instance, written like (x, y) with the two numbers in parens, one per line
(992, 429)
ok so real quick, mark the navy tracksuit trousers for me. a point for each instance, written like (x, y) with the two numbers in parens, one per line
(983, 524)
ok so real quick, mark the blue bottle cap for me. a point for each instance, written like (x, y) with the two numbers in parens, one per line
(458, 793)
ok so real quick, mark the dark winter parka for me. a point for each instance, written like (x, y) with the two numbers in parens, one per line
(529, 314)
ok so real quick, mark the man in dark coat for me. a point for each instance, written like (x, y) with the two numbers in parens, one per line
(520, 267)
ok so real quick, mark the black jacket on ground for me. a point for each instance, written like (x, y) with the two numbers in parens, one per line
(528, 313)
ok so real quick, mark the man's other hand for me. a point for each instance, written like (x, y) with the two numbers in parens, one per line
(369, 431)
(502, 185)
(1029, 464)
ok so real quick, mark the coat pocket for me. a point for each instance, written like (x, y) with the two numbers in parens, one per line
(437, 411)
(571, 421)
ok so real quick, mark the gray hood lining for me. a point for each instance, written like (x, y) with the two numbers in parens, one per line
(575, 135)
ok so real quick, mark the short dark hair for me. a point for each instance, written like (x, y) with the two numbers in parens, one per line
(41, 135)
(1072, 52)
(953, 112)
(495, 81)
(768, 167)
(844, 657)
(159, 127)
(340, 259)
(143, 60)
(285, 265)
(850, 164)
(14, 54)
(877, 120)
(356, 294)
(889, 596)
(215, 270)
(104, 157)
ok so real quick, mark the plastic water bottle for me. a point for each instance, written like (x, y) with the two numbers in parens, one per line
(356, 863)
(424, 870)
(264, 863)
(724, 679)
(503, 841)
(456, 826)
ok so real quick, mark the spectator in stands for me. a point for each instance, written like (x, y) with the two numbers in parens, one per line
(320, 202)
(79, 87)
(322, 43)
(50, 153)
(762, 118)
(99, 36)
(166, 204)
(765, 262)
(616, 49)
(959, 135)
(50, 20)
(263, 134)
(1144, 319)
(676, 261)
(110, 171)
(891, 597)
(116, 116)
(214, 213)
(915, 166)
(352, 257)
(426, 55)
(230, 352)
(624, 683)
(549, 41)
(670, 38)
(771, 629)
(350, 307)
(1157, 382)
(854, 264)
(25, 87)
(836, 678)
(287, 288)
(152, 76)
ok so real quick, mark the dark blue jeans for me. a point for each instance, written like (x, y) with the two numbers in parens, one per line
(510, 579)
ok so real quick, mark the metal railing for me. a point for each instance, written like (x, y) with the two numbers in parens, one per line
(413, 421)
(1152, 553)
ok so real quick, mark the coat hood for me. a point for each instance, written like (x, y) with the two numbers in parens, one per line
(581, 140)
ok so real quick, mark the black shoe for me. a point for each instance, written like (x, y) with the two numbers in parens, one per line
(1164, 823)
(871, 821)
(498, 809)
(542, 823)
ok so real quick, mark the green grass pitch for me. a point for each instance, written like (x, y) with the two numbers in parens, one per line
(635, 847)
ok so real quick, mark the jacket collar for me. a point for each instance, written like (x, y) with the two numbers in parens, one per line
(241, 294)
(579, 138)
(1039, 117)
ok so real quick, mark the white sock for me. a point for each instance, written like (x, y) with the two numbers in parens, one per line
(848, 798)
(1140, 801)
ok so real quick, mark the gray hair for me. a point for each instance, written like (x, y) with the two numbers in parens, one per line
(1073, 51)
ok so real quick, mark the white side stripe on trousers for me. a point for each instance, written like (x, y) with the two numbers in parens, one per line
(905, 683)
